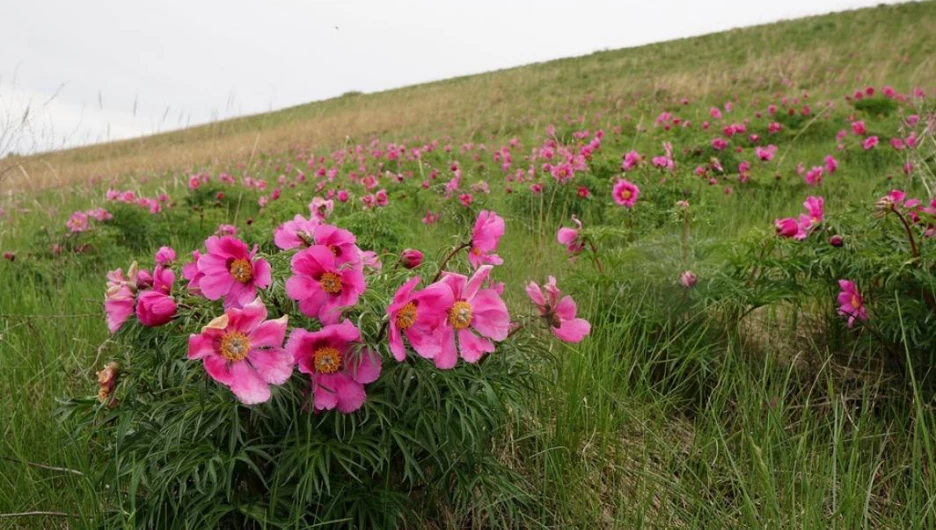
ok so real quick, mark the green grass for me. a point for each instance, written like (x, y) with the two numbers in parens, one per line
(668, 415)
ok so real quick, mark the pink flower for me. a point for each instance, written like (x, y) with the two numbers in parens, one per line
(322, 285)
(858, 127)
(342, 196)
(78, 222)
(371, 260)
(814, 176)
(418, 316)
(625, 193)
(476, 317)
(688, 279)
(850, 302)
(341, 243)
(831, 164)
(155, 306)
(814, 207)
(766, 154)
(465, 199)
(431, 218)
(321, 208)
(560, 317)
(774, 127)
(570, 238)
(226, 230)
(337, 373)
(165, 255)
(243, 351)
(231, 272)
(296, 233)
(898, 144)
(719, 144)
(381, 198)
(488, 230)
(787, 227)
(631, 159)
(869, 143)
(411, 258)
(120, 296)
(191, 273)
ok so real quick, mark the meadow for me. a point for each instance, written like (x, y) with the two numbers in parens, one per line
(745, 221)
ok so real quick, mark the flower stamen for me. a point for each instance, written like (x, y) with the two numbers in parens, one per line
(235, 346)
(406, 317)
(241, 270)
(330, 283)
(327, 360)
(460, 315)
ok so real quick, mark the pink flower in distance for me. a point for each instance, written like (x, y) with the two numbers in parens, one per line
(625, 193)
(337, 371)
(476, 317)
(78, 222)
(322, 208)
(231, 272)
(418, 315)
(296, 233)
(814, 207)
(765, 154)
(570, 238)
(488, 230)
(243, 351)
(869, 143)
(559, 313)
(851, 303)
(831, 164)
(858, 127)
(813, 177)
(191, 273)
(156, 306)
(322, 285)
(688, 279)
(165, 255)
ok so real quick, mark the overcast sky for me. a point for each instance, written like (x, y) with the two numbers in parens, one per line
(97, 70)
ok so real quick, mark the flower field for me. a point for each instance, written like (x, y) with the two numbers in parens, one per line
(707, 305)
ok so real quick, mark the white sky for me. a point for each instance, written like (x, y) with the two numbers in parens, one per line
(84, 66)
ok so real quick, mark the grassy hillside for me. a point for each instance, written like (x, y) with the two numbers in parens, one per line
(729, 379)
(891, 44)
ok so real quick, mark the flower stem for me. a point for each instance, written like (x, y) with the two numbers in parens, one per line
(594, 253)
(445, 261)
(913, 246)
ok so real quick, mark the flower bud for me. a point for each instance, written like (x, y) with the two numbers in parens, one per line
(411, 258)
(836, 241)
(688, 279)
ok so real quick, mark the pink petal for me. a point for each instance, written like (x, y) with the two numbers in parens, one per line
(448, 355)
(472, 346)
(566, 308)
(200, 346)
(247, 385)
(262, 275)
(273, 365)
(365, 367)
(535, 294)
(219, 369)
(572, 330)
(491, 318)
(269, 334)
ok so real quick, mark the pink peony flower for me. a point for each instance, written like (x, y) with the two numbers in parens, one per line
(191, 273)
(831, 164)
(243, 351)
(476, 318)
(570, 238)
(341, 243)
(858, 127)
(625, 193)
(631, 160)
(78, 222)
(688, 279)
(488, 230)
(165, 255)
(411, 258)
(296, 233)
(869, 143)
(850, 302)
(787, 227)
(813, 177)
(322, 208)
(231, 272)
(155, 306)
(322, 285)
(338, 374)
(418, 315)
(120, 296)
(560, 317)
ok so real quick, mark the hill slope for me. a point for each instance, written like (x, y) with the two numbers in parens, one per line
(886, 44)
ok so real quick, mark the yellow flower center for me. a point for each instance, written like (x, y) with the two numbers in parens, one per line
(626, 194)
(327, 360)
(330, 283)
(855, 302)
(241, 270)
(406, 316)
(234, 346)
(460, 315)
